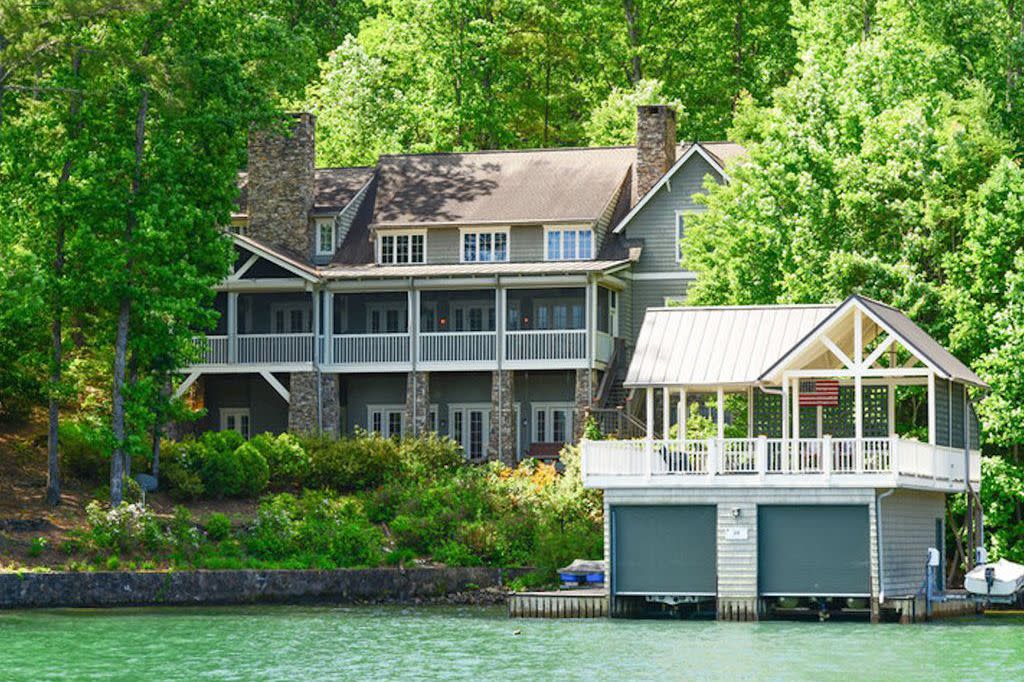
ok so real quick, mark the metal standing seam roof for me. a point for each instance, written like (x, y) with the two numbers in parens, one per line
(717, 346)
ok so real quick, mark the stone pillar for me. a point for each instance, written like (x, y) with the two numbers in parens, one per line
(501, 442)
(280, 185)
(417, 403)
(302, 408)
(655, 144)
(586, 386)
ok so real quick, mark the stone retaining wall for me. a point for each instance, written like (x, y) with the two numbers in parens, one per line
(100, 589)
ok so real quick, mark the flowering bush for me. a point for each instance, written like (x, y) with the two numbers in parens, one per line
(123, 529)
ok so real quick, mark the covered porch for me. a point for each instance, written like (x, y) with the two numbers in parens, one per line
(794, 396)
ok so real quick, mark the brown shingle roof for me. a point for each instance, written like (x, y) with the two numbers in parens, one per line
(530, 186)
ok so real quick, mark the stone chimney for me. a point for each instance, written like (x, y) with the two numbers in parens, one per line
(281, 185)
(655, 144)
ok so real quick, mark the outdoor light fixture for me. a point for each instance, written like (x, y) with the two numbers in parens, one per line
(736, 512)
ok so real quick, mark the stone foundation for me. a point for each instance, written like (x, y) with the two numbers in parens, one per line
(302, 408)
(501, 443)
(108, 589)
(417, 402)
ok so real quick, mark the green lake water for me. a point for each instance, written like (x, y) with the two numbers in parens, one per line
(469, 643)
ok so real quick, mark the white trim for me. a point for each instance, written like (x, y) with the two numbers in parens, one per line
(238, 413)
(548, 408)
(277, 386)
(463, 231)
(696, 148)
(237, 274)
(183, 386)
(242, 242)
(569, 228)
(386, 410)
(379, 246)
(318, 224)
(681, 274)
(679, 214)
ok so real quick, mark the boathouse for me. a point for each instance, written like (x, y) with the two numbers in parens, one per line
(773, 471)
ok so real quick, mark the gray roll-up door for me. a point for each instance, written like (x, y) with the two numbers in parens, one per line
(808, 550)
(664, 549)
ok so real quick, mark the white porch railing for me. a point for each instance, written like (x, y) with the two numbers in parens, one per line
(370, 349)
(274, 348)
(213, 349)
(751, 461)
(457, 347)
(548, 344)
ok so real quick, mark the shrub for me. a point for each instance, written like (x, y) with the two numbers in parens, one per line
(455, 553)
(287, 459)
(358, 463)
(38, 546)
(84, 451)
(241, 472)
(429, 456)
(179, 468)
(218, 527)
(123, 529)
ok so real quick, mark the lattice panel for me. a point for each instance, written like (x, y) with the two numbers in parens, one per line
(956, 427)
(767, 415)
(808, 422)
(876, 411)
(838, 421)
(942, 412)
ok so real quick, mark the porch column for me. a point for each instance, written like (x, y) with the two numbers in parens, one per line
(720, 413)
(931, 408)
(796, 409)
(666, 418)
(681, 415)
(232, 326)
(891, 407)
(317, 348)
(412, 326)
(785, 412)
(858, 419)
(650, 413)
(328, 327)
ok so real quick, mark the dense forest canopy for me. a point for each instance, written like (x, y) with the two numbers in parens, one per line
(885, 139)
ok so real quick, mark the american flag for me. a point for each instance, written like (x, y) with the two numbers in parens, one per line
(823, 392)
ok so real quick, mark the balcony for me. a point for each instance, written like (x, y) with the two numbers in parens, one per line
(438, 350)
(255, 349)
(772, 462)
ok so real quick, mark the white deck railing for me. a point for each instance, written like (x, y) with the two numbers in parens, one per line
(275, 348)
(213, 349)
(548, 344)
(457, 347)
(370, 349)
(753, 461)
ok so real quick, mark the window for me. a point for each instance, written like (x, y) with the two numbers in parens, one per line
(470, 427)
(568, 243)
(552, 422)
(679, 236)
(386, 318)
(235, 419)
(484, 246)
(291, 318)
(387, 420)
(325, 237)
(401, 248)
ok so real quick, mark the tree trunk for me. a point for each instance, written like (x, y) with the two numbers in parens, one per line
(57, 308)
(124, 313)
(633, 31)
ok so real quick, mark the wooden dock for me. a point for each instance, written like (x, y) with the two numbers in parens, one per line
(578, 603)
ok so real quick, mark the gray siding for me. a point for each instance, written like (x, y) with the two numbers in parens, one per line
(651, 293)
(553, 386)
(267, 410)
(908, 530)
(359, 390)
(655, 223)
(526, 244)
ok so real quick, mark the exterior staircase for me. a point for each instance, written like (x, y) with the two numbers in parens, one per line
(612, 407)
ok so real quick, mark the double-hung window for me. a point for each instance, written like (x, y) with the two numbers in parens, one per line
(325, 237)
(402, 248)
(568, 243)
(484, 246)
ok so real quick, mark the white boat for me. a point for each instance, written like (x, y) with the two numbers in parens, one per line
(1008, 579)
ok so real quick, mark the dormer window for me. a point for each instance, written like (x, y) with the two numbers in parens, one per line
(484, 246)
(568, 243)
(402, 248)
(325, 237)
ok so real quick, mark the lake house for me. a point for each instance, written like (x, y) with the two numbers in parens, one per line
(493, 297)
(771, 472)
